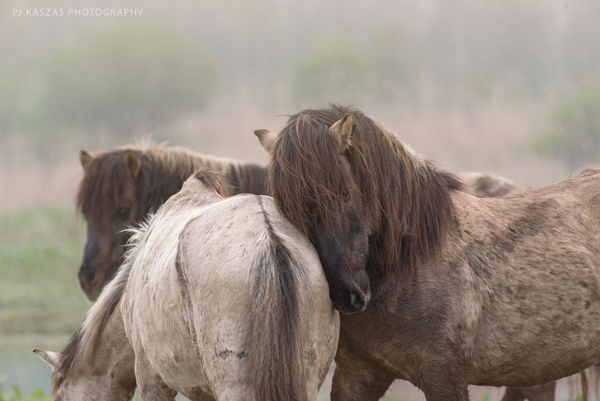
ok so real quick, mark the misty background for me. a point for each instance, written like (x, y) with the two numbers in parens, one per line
(510, 87)
(506, 87)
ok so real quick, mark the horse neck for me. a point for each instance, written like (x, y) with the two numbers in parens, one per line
(413, 213)
(114, 355)
(243, 176)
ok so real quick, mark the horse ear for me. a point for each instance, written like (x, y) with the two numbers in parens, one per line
(341, 134)
(85, 159)
(133, 162)
(266, 139)
(51, 358)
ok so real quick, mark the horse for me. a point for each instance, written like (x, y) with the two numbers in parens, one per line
(220, 298)
(436, 286)
(484, 185)
(120, 187)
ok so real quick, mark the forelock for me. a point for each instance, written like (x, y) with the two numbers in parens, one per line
(103, 185)
(307, 176)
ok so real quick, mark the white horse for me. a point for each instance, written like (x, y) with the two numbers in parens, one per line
(221, 298)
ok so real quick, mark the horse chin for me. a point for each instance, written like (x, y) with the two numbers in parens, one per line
(349, 311)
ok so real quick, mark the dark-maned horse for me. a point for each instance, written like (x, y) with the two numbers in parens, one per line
(120, 187)
(454, 289)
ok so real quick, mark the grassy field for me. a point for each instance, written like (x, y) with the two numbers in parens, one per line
(40, 251)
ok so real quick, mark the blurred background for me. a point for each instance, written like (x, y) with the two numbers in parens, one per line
(509, 87)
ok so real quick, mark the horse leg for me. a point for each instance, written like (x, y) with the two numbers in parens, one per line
(356, 380)
(444, 382)
(513, 394)
(543, 392)
(151, 386)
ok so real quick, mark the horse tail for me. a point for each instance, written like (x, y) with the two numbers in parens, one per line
(275, 352)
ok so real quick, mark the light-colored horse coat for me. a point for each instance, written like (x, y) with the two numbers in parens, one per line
(225, 300)
(201, 257)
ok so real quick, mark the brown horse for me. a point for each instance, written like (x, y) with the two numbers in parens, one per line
(120, 187)
(453, 289)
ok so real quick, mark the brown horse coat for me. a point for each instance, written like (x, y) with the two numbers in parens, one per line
(120, 187)
(456, 290)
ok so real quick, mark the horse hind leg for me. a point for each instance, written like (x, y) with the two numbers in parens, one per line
(235, 393)
(513, 394)
(543, 392)
(151, 386)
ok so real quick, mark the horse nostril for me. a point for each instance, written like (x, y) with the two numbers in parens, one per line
(357, 300)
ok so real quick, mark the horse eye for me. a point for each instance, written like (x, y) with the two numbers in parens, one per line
(346, 196)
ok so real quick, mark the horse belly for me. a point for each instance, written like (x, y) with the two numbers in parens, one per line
(539, 327)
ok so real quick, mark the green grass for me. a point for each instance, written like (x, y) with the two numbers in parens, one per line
(40, 251)
(16, 395)
(40, 395)
(36, 395)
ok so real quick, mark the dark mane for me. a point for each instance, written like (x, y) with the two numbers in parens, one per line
(408, 198)
(162, 174)
(214, 181)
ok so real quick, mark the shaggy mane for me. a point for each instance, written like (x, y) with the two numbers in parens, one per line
(79, 351)
(163, 171)
(408, 197)
(214, 181)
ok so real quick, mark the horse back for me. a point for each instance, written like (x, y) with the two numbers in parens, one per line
(222, 255)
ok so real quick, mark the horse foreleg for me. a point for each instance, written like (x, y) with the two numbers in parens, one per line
(152, 387)
(355, 380)
(444, 382)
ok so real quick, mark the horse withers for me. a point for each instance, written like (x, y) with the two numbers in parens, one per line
(453, 289)
(120, 187)
(221, 298)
